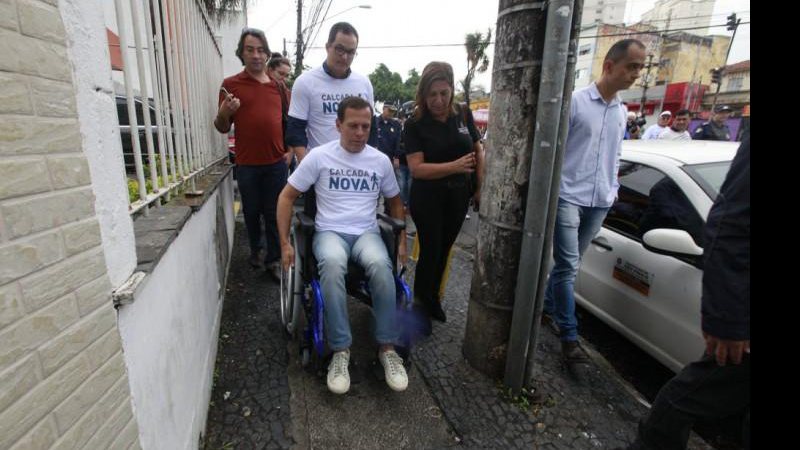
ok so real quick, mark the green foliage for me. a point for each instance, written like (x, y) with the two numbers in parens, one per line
(411, 84)
(477, 59)
(389, 87)
(133, 185)
(527, 400)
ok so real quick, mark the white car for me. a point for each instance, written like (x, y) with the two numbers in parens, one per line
(654, 298)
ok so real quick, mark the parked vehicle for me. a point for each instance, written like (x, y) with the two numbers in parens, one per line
(635, 285)
(125, 131)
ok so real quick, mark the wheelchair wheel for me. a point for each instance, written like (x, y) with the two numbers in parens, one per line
(291, 291)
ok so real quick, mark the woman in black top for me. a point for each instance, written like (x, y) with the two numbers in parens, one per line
(443, 149)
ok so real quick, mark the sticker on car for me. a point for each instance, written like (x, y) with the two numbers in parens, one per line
(633, 276)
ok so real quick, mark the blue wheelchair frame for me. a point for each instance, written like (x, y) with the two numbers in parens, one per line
(311, 301)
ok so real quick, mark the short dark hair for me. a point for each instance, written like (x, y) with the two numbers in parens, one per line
(683, 112)
(276, 59)
(341, 27)
(255, 32)
(620, 49)
(353, 102)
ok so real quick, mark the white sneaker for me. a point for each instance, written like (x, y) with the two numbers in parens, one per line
(338, 376)
(393, 368)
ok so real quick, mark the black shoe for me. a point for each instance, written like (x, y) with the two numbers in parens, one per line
(572, 352)
(436, 312)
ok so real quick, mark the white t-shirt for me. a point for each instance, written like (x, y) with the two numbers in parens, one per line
(671, 135)
(315, 98)
(347, 186)
(653, 132)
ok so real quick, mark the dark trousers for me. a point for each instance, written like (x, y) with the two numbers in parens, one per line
(702, 390)
(259, 187)
(438, 208)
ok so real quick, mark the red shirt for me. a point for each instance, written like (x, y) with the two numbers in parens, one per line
(258, 128)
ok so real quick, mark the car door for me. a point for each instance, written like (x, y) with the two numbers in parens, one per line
(652, 299)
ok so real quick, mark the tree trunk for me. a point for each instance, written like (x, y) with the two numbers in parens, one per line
(515, 85)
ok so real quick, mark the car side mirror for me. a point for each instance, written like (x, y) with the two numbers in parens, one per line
(672, 243)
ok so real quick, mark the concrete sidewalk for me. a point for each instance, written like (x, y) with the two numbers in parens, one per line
(262, 398)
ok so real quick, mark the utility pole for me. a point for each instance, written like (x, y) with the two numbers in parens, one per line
(733, 25)
(694, 74)
(646, 81)
(285, 53)
(298, 63)
(531, 88)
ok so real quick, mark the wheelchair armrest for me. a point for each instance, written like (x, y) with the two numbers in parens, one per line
(396, 224)
(306, 222)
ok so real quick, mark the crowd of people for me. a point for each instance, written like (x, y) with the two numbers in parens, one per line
(429, 163)
(677, 129)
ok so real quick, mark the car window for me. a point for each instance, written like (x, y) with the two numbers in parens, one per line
(649, 199)
(709, 176)
(122, 112)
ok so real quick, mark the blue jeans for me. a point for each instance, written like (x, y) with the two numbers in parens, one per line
(575, 228)
(259, 187)
(333, 251)
(404, 181)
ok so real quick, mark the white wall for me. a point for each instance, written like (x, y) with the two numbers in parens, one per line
(88, 54)
(169, 333)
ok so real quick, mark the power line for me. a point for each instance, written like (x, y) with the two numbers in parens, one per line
(629, 33)
(672, 19)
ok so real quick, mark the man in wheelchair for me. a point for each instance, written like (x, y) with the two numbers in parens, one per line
(348, 176)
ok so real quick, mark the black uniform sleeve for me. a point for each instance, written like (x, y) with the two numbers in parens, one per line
(726, 275)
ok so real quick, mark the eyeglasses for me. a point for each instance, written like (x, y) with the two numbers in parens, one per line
(342, 51)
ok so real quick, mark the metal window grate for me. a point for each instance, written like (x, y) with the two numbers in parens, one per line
(171, 70)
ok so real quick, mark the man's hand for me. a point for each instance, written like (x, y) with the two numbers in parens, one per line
(287, 256)
(724, 350)
(396, 163)
(229, 106)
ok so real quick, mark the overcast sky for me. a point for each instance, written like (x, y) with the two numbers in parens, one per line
(428, 22)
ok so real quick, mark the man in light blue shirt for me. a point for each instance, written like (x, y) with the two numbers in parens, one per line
(588, 181)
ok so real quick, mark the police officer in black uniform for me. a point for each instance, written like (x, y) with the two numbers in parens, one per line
(715, 129)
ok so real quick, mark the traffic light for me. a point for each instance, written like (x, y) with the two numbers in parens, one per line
(732, 22)
(716, 75)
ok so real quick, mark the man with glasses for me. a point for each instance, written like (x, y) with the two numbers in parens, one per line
(316, 95)
(251, 101)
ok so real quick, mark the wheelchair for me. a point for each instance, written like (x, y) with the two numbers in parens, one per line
(301, 301)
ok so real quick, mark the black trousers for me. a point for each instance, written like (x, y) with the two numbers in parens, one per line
(702, 390)
(438, 208)
(259, 187)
